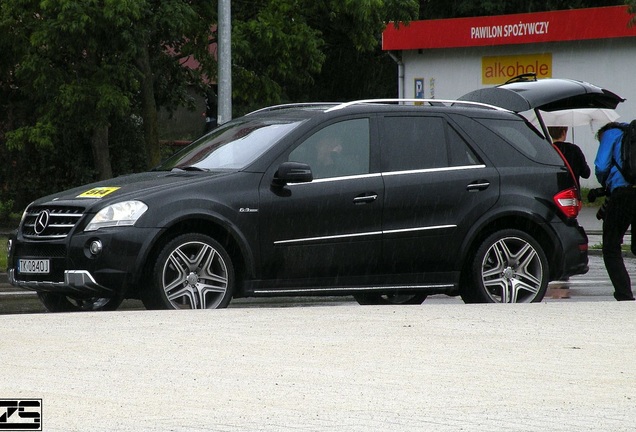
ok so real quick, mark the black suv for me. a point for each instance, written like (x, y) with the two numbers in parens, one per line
(386, 202)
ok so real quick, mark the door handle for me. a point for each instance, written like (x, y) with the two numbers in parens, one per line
(479, 185)
(364, 199)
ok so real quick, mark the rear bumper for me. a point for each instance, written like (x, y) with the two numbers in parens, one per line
(574, 254)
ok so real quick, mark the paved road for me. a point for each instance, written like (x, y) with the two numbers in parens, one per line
(557, 366)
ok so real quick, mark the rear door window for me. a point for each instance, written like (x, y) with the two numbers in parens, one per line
(459, 151)
(414, 143)
(521, 137)
(421, 142)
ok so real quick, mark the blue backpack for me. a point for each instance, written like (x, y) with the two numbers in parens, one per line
(627, 167)
(628, 152)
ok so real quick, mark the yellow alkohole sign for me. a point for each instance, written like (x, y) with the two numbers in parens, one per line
(499, 69)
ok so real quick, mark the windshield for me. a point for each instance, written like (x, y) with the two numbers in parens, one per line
(232, 146)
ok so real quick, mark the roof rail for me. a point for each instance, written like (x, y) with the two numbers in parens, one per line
(293, 105)
(431, 102)
(530, 76)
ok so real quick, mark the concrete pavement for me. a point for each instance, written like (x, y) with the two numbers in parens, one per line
(436, 367)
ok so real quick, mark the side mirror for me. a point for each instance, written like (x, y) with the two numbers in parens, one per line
(292, 172)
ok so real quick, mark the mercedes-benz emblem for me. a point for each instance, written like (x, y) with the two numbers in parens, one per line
(41, 222)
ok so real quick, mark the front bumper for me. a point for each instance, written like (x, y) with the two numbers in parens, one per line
(79, 282)
(75, 271)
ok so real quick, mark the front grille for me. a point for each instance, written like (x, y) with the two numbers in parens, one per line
(50, 222)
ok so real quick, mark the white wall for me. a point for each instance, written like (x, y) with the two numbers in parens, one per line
(608, 63)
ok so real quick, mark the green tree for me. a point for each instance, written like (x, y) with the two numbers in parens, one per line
(86, 63)
(632, 9)
(435, 9)
(274, 50)
(74, 79)
(299, 50)
(167, 33)
(355, 66)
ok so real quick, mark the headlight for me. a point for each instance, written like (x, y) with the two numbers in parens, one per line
(124, 213)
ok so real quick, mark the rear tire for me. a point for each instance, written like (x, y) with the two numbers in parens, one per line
(62, 303)
(389, 299)
(193, 271)
(508, 267)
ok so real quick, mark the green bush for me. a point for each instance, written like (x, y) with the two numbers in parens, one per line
(3, 253)
(599, 201)
(8, 217)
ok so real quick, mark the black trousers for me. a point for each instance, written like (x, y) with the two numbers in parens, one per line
(621, 213)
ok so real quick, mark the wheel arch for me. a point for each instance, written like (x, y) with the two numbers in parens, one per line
(216, 227)
(526, 222)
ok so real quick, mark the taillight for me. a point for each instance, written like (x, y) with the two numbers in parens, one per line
(568, 202)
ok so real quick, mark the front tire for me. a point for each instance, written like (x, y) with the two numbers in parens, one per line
(62, 303)
(508, 267)
(389, 299)
(193, 271)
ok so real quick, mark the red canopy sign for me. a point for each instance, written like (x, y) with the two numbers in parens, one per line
(555, 26)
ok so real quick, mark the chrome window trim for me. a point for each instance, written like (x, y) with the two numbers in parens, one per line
(392, 173)
(434, 170)
(332, 179)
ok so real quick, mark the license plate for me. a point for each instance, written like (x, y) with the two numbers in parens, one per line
(33, 266)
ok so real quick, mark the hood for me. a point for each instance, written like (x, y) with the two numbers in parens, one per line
(133, 186)
(550, 94)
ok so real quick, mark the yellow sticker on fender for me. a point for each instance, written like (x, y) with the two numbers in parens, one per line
(99, 192)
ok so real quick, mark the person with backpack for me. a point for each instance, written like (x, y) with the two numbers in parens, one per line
(609, 168)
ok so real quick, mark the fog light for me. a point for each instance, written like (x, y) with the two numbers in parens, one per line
(95, 247)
